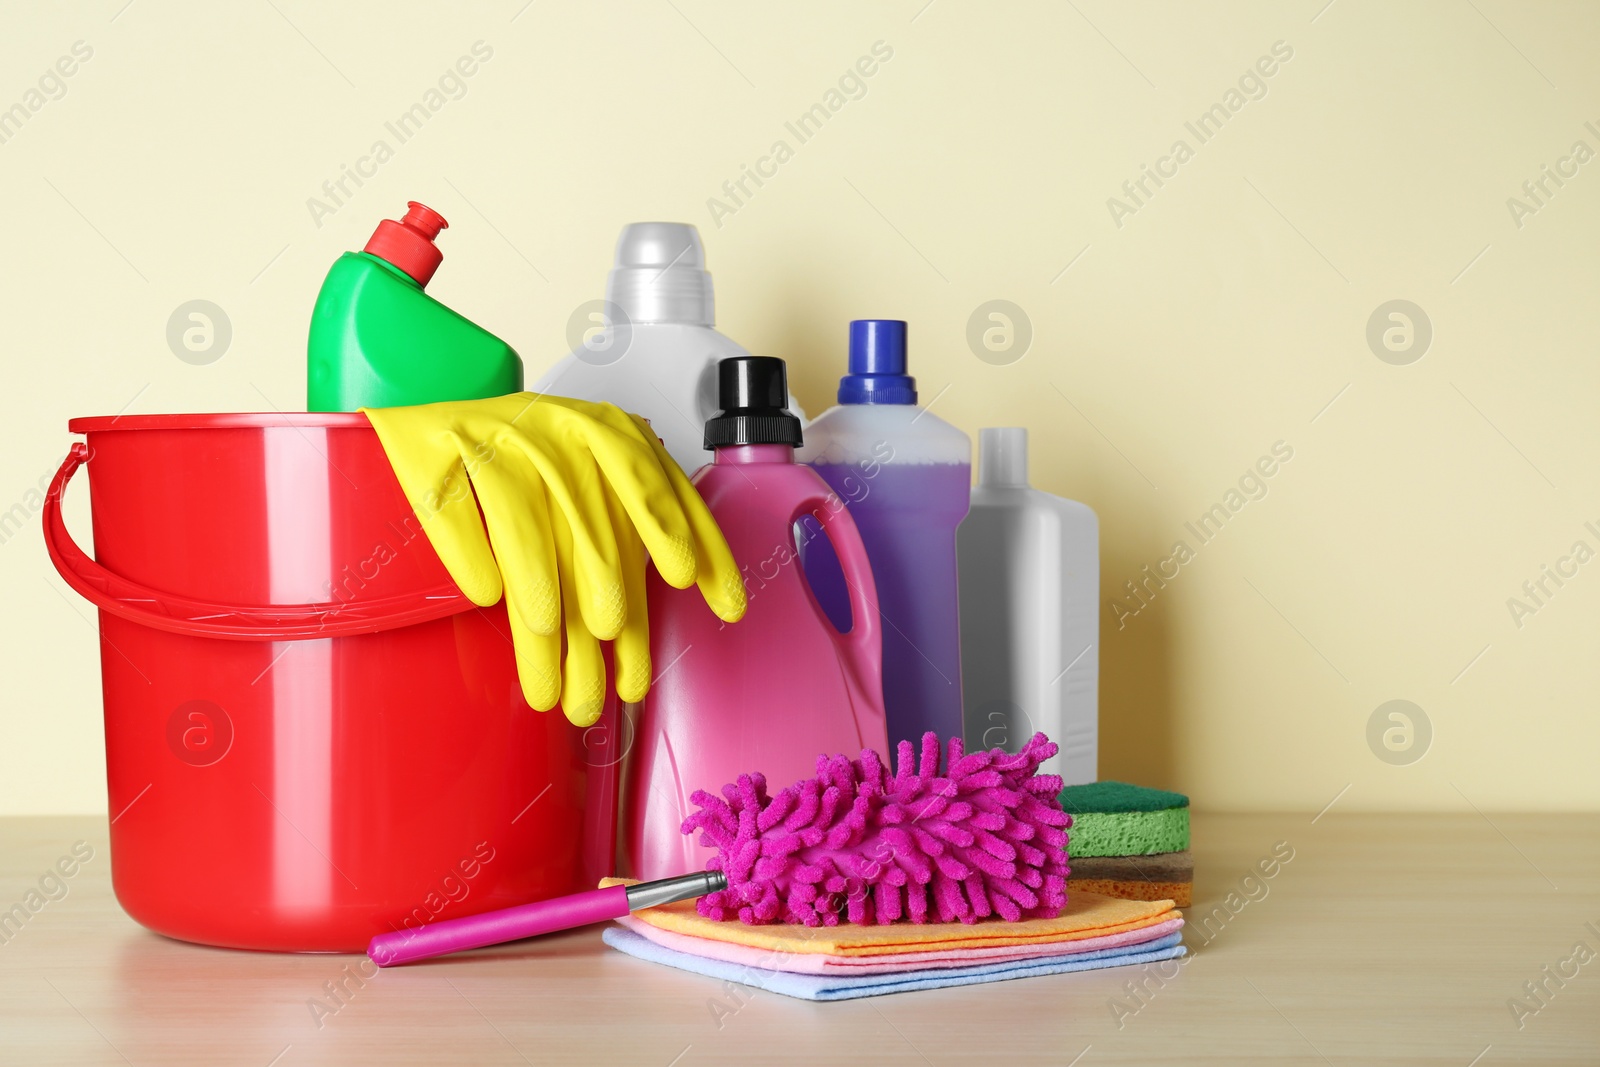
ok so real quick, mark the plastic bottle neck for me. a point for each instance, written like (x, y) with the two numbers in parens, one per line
(743, 455)
(1003, 458)
(385, 265)
(660, 276)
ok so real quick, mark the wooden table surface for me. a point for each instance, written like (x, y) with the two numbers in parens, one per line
(1385, 939)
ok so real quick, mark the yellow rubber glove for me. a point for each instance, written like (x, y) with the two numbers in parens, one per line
(573, 495)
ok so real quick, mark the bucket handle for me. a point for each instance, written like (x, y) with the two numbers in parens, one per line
(181, 615)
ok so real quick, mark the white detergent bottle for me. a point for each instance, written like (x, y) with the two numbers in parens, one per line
(1030, 620)
(651, 349)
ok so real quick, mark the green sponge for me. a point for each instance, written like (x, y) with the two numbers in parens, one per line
(1118, 819)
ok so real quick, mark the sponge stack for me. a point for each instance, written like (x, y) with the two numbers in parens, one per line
(1129, 841)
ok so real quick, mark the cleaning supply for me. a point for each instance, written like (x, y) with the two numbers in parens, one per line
(377, 340)
(781, 687)
(311, 735)
(1130, 841)
(610, 901)
(651, 348)
(1030, 586)
(984, 838)
(839, 962)
(1162, 876)
(899, 962)
(850, 987)
(1086, 916)
(1118, 819)
(571, 495)
(905, 474)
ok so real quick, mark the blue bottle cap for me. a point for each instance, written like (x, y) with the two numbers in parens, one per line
(877, 364)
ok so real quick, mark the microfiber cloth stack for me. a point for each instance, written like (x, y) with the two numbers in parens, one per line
(1129, 841)
(846, 961)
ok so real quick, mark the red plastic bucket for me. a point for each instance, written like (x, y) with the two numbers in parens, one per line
(312, 736)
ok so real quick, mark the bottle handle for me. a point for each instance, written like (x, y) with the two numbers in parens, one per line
(864, 643)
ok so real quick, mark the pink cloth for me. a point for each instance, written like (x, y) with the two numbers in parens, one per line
(821, 963)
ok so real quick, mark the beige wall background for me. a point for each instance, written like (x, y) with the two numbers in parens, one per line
(1174, 341)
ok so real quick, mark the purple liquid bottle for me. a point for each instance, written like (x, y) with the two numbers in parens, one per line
(906, 476)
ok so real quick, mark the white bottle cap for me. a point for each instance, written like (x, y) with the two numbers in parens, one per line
(660, 275)
(1003, 456)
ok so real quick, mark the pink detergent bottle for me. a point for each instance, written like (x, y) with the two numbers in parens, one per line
(780, 687)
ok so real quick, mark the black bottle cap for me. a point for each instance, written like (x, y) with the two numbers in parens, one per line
(753, 393)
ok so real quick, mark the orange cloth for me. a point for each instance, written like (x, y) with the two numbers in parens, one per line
(1086, 915)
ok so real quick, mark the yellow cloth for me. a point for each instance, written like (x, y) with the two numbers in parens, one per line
(1086, 915)
(554, 502)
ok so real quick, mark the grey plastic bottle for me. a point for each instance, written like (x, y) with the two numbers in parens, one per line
(1030, 621)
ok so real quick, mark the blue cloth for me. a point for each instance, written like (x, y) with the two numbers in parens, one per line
(848, 987)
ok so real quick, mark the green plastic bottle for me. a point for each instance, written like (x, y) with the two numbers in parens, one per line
(379, 341)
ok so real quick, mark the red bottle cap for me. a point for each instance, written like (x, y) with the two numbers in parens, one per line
(408, 244)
